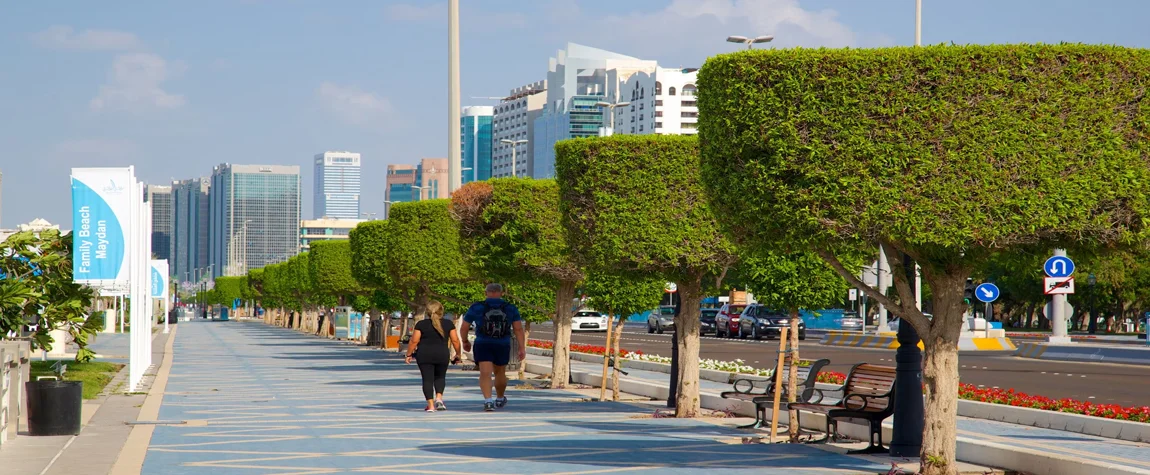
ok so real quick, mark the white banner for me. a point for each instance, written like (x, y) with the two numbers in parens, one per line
(101, 217)
(160, 279)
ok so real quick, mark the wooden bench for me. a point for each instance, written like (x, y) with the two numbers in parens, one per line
(761, 393)
(868, 394)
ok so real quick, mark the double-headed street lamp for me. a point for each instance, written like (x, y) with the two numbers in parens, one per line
(611, 108)
(750, 42)
(514, 145)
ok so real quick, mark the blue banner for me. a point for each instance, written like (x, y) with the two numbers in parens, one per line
(100, 207)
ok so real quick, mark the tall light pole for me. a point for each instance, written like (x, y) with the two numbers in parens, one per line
(514, 145)
(454, 145)
(610, 108)
(421, 189)
(750, 42)
(918, 22)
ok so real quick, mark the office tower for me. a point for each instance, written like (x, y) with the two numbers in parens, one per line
(255, 216)
(515, 121)
(337, 185)
(399, 186)
(160, 196)
(426, 181)
(189, 256)
(577, 80)
(475, 140)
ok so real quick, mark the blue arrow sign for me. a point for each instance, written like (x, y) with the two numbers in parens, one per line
(987, 292)
(1059, 266)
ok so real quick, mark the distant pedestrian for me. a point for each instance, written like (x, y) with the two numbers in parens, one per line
(494, 320)
(429, 347)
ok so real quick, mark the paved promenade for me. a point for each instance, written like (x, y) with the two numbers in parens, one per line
(258, 399)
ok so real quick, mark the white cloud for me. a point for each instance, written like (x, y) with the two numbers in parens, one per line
(136, 82)
(353, 104)
(64, 37)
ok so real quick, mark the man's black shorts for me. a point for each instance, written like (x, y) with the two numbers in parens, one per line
(498, 354)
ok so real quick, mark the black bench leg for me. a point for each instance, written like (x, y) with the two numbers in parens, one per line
(873, 448)
(760, 416)
(832, 426)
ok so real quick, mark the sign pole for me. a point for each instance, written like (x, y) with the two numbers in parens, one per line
(1058, 308)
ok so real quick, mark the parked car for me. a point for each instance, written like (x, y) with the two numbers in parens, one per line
(852, 321)
(727, 320)
(707, 320)
(661, 319)
(589, 320)
(758, 321)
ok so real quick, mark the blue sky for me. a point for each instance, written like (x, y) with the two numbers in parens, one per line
(175, 88)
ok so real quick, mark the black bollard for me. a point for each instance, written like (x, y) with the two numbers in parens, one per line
(909, 415)
(672, 394)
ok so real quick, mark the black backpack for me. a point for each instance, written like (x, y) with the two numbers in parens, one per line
(496, 325)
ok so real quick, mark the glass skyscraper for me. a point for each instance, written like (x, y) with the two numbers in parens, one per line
(255, 217)
(476, 131)
(160, 197)
(337, 185)
(189, 229)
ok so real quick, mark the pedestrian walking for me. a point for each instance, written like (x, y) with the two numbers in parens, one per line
(429, 348)
(494, 320)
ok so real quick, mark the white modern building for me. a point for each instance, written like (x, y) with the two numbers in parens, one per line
(515, 122)
(662, 102)
(577, 80)
(324, 229)
(337, 185)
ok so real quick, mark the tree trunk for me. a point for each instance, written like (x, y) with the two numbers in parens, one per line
(561, 350)
(386, 331)
(687, 339)
(940, 377)
(618, 359)
(792, 362)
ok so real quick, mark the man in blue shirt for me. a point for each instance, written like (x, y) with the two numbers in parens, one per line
(494, 320)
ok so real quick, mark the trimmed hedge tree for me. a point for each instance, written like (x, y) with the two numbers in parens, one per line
(947, 154)
(511, 230)
(635, 205)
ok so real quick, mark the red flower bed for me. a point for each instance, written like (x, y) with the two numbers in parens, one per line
(969, 392)
(1012, 398)
(579, 348)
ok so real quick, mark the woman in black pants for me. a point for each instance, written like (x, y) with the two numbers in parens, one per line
(429, 346)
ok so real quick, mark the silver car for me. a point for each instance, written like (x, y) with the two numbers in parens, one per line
(852, 321)
(661, 319)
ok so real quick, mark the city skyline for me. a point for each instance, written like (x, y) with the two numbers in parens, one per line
(147, 89)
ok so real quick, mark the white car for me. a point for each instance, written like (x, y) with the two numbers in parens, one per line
(588, 321)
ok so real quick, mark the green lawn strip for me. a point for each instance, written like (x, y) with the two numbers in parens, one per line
(95, 375)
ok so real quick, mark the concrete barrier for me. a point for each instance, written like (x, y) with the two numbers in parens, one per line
(1084, 353)
(890, 341)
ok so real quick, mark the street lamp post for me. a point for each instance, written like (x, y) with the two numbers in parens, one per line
(514, 145)
(610, 108)
(454, 145)
(750, 42)
(909, 413)
(421, 189)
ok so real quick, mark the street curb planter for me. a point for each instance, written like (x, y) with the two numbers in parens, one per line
(54, 407)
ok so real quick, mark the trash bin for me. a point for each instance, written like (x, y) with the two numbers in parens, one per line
(54, 407)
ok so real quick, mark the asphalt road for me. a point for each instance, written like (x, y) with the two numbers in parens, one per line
(1096, 382)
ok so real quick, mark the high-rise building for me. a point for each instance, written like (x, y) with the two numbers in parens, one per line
(400, 186)
(188, 259)
(255, 216)
(662, 102)
(325, 229)
(475, 140)
(337, 185)
(160, 196)
(426, 181)
(515, 121)
(577, 79)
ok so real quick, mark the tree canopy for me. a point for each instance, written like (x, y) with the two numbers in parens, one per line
(330, 268)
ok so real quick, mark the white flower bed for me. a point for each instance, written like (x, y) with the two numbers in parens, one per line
(737, 366)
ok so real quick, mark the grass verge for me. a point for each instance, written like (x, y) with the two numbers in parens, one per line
(95, 375)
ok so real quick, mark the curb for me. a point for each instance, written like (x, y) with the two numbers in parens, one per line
(980, 452)
(1085, 354)
(889, 342)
